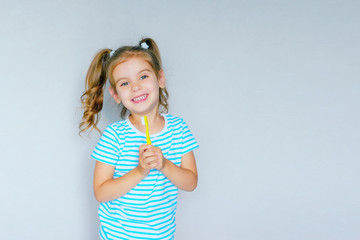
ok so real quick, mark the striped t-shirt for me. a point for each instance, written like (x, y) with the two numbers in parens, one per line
(148, 210)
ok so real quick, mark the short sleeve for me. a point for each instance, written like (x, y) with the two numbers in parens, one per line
(188, 141)
(108, 148)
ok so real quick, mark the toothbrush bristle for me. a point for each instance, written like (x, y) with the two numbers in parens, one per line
(142, 120)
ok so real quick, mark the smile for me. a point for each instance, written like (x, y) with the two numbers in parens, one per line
(140, 99)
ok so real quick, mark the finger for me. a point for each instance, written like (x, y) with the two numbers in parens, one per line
(158, 155)
(146, 159)
(148, 154)
(151, 148)
(151, 160)
(144, 147)
(157, 150)
(153, 165)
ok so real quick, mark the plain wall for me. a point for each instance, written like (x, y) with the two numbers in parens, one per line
(270, 89)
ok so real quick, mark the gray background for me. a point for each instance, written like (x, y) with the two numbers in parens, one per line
(270, 89)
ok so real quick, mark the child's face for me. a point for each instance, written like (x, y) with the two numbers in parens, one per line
(137, 86)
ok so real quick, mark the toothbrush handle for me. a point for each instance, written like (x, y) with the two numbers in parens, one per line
(148, 141)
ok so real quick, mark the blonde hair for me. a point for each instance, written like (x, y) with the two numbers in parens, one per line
(101, 69)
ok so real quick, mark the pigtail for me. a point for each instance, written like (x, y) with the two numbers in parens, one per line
(163, 97)
(153, 48)
(93, 97)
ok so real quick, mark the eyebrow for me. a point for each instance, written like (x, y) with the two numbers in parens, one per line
(124, 78)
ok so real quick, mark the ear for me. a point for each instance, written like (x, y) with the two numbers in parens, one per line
(162, 79)
(114, 94)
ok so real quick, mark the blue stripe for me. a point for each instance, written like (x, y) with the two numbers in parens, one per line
(133, 137)
(143, 238)
(157, 209)
(177, 138)
(123, 157)
(104, 213)
(189, 150)
(107, 147)
(152, 193)
(173, 154)
(102, 160)
(98, 150)
(167, 227)
(109, 143)
(167, 205)
(158, 229)
(141, 207)
(138, 141)
(111, 138)
(103, 157)
(147, 202)
(162, 220)
(153, 188)
(187, 141)
(131, 150)
(163, 214)
(152, 185)
(145, 199)
(186, 132)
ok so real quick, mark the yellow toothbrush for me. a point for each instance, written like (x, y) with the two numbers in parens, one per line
(148, 141)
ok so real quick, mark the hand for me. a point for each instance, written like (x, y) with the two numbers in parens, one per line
(150, 157)
(160, 161)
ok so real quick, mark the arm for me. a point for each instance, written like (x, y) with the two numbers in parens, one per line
(184, 177)
(106, 188)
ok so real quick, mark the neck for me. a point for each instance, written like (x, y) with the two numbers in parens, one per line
(156, 122)
(152, 117)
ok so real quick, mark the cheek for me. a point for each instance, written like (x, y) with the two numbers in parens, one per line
(154, 87)
(156, 91)
(121, 93)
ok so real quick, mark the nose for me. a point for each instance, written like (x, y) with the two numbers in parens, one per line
(135, 87)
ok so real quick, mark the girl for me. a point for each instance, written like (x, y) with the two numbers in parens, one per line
(135, 183)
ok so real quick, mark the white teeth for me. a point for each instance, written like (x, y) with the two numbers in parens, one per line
(139, 98)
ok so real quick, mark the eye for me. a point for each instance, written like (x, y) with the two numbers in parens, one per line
(143, 77)
(124, 84)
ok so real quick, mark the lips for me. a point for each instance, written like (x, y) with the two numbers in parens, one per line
(140, 98)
